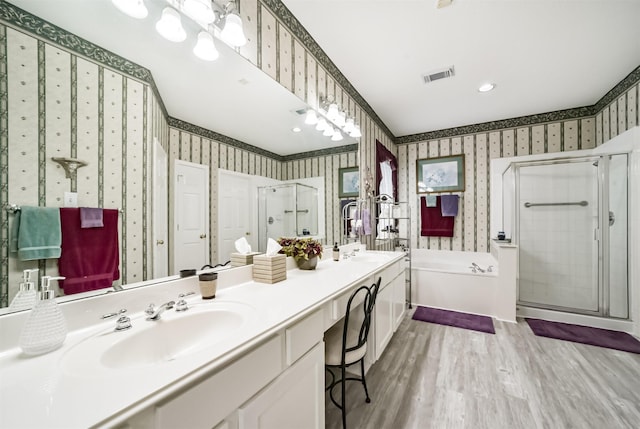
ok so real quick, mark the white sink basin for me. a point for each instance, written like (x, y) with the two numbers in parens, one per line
(151, 343)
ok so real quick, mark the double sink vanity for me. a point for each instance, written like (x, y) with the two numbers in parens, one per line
(253, 357)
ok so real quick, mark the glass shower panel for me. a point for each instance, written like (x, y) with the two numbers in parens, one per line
(558, 259)
(618, 234)
(306, 210)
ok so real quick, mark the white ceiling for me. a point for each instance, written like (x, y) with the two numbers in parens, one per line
(544, 55)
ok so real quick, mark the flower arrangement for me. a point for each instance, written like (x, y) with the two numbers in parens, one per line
(300, 248)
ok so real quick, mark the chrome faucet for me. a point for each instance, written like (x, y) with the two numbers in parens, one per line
(155, 313)
(476, 266)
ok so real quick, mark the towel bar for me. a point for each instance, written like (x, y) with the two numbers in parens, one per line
(12, 208)
(578, 203)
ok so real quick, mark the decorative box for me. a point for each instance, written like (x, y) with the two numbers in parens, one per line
(269, 269)
(240, 259)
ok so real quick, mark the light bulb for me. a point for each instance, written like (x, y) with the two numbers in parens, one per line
(199, 10)
(328, 132)
(337, 136)
(356, 132)
(205, 49)
(348, 126)
(311, 118)
(322, 124)
(232, 32)
(133, 8)
(332, 113)
(341, 119)
(170, 26)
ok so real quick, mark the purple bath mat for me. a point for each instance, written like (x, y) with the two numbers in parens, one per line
(585, 335)
(454, 318)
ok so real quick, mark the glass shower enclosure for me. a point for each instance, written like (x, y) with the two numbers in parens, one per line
(288, 210)
(571, 226)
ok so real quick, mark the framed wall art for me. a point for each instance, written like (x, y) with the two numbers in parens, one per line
(349, 182)
(445, 174)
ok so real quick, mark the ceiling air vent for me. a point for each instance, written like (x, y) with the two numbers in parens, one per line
(439, 74)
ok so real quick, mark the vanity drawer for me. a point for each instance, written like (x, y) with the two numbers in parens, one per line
(210, 401)
(303, 335)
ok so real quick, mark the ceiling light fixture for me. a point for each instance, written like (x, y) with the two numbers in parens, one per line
(133, 8)
(486, 87)
(170, 27)
(205, 49)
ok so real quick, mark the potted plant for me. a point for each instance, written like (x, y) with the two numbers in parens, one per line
(305, 251)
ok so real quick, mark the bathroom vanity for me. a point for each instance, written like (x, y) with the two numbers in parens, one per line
(253, 357)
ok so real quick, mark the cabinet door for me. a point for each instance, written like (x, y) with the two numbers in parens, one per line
(294, 400)
(383, 319)
(399, 298)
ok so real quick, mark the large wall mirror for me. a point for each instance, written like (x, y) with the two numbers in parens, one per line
(63, 101)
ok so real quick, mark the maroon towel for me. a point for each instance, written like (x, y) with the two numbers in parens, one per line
(432, 223)
(91, 217)
(90, 257)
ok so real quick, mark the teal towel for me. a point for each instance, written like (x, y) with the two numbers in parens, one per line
(39, 233)
(432, 200)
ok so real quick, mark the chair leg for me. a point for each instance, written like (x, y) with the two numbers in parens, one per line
(343, 399)
(364, 382)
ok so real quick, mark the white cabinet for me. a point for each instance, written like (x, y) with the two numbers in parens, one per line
(293, 400)
(383, 319)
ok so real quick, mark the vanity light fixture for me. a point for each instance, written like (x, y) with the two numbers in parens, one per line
(322, 124)
(232, 32)
(170, 27)
(328, 132)
(486, 87)
(337, 136)
(328, 115)
(205, 49)
(133, 8)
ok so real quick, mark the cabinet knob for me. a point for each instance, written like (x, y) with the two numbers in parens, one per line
(159, 242)
(247, 233)
(203, 235)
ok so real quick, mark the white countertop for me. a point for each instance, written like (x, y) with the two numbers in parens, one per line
(44, 391)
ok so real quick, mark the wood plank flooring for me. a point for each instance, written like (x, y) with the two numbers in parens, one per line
(440, 377)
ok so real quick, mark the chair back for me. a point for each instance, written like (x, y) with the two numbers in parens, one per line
(370, 294)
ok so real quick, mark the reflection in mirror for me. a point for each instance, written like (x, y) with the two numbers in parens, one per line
(67, 97)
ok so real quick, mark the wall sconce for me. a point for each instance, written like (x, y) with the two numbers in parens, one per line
(70, 166)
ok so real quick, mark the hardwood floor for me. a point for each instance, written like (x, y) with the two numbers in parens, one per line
(434, 376)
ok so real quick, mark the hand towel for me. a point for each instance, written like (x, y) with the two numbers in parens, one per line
(449, 205)
(91, 217)
(366, 221)
(432, 223)
(39, 234)
(431, 200)
(90, 256)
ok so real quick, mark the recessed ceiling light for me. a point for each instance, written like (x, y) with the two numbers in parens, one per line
(486, 87)
(296, 129)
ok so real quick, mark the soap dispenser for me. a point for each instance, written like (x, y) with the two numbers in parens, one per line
(25, 299)
(336, 252)
(46, 328)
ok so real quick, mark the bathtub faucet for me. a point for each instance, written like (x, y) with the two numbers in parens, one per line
(477, 267)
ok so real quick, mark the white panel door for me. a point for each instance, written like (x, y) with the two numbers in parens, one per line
(191, 226)
(234, 220)
(160, 212)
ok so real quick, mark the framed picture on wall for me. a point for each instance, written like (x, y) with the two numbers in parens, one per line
(349, 182)
(445, 174)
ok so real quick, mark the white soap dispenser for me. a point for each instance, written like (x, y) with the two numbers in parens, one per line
(25, 299)
(46, 328)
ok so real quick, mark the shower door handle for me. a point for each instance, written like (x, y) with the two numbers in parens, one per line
(612, 218)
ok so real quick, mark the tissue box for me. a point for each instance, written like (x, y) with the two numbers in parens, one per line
(269, 269)
(240, 259)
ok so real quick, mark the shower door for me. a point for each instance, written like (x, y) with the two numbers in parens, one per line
(558, 235)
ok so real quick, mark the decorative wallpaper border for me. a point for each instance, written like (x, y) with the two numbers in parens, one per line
(284, 14)
(321, 152)
(626, 83)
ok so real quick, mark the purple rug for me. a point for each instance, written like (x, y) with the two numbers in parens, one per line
(454, 318)
(585, 335)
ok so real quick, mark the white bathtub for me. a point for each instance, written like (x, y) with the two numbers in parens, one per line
(444, 279)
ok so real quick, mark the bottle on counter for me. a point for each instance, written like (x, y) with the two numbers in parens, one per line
(25, 299)
(45, 329)
(336, 252)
